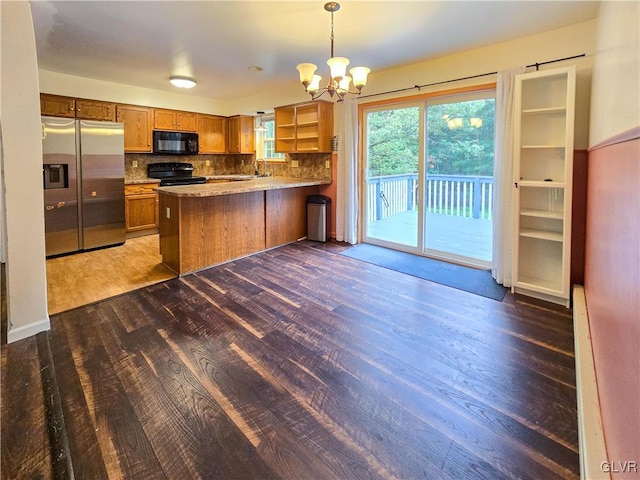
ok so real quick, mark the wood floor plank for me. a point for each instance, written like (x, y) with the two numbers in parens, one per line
(25, 441)
(119, 433)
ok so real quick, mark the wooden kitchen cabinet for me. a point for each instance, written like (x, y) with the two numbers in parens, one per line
(174, 120)
(57, 106)
(240, 138)
(212, 134)
(95, 110)
(304, 127)
(141, 207)
(138, 123)
(60, 106)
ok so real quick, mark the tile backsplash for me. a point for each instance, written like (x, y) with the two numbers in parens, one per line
(309, 165)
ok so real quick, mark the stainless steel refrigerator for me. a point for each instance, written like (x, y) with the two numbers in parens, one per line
(83, 177)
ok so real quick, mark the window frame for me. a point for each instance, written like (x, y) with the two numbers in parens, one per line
(260, 139)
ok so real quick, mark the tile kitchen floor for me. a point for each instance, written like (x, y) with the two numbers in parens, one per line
(84, 278)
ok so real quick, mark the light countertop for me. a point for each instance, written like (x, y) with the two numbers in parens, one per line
(251, 184)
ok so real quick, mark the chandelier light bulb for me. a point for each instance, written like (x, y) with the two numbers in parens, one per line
(338, 66)
(314, 86)
(359, 75)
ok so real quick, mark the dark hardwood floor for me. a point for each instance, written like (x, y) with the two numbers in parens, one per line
(296, 363)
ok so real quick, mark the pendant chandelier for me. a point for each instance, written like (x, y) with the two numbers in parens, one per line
(339, 82)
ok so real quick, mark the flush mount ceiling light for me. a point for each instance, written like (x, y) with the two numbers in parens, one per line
(182, 82)
(339, 81)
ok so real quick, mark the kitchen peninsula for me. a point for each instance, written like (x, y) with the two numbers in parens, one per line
(206, 225)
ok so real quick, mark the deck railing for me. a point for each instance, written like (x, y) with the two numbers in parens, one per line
(460, 195)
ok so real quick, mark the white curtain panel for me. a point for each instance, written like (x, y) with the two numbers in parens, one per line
(347, 191)
(502, 270)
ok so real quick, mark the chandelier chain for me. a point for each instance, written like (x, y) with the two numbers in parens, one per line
(331, 35)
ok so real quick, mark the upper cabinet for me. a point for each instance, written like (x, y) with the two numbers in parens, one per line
(543, 171)
(305, 127)
(60, 106)
(138, 122)
(174, 120)
(212, 134)
(240, 138)
(57, 106)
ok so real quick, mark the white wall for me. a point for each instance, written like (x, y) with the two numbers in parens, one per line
(73, 86)
(616, 96)
(22, 165)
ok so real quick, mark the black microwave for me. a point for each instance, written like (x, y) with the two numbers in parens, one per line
(175, 143)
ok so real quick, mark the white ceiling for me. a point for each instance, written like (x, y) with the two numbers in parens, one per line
(142, 43)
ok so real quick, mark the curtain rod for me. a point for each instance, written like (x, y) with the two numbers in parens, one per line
(537, 65)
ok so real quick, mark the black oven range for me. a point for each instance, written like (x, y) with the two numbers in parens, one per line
(174, 173)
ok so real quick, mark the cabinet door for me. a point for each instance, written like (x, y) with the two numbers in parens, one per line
(233, 127)
(137, 127)
(247, 142)
(164, 119)
(57, 106)
(212, 134)
(95, 110)
(141, 212)
(186, 121)
(241, 139)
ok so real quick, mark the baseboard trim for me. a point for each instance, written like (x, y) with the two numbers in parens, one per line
(591, 442)
(25, 331)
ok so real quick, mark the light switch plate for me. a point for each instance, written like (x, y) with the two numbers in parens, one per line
(207, 163)
(327, 164)
(294, 163)
(134, 164)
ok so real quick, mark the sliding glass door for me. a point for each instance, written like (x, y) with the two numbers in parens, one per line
(429, 177)
(393, 152)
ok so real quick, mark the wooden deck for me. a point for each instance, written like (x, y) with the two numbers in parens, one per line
(295, 363)
(467, 237)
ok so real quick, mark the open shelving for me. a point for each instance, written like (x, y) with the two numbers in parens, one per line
(306, 127)
(543, 169)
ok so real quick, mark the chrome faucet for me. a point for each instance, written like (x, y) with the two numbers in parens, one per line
(264, 167)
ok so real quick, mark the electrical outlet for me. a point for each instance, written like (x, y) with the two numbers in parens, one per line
(294, 163)
(134, 164)
(168, 212)
(327, 164)
(207, 163)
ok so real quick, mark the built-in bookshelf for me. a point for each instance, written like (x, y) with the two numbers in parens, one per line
(543, 166)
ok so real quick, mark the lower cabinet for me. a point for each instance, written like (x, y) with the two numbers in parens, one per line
(141, 208)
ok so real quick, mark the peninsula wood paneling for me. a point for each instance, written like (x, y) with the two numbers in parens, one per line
(205, 231)
(286, 214)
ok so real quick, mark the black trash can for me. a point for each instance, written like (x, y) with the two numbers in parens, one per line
(318, 217)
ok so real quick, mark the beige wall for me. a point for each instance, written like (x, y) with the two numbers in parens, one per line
(616, 96)
(22, 166)
(612, 252)
(73, 86)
